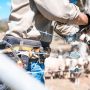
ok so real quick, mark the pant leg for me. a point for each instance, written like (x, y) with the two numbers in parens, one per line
(37, 70)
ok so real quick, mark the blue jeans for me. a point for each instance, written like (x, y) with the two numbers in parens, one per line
(37, 70)
(73, 1)
(34, 67)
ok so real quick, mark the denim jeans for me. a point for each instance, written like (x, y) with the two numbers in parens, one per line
(35, 68)
(73, 1)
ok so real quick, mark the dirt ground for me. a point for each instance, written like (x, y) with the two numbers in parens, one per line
(66, 84)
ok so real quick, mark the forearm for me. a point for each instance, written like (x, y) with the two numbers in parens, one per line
(61, 11)
(82, 19)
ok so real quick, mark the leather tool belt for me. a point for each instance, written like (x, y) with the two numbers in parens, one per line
(31, 48)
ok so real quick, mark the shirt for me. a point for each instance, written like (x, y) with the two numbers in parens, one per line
(39, 14)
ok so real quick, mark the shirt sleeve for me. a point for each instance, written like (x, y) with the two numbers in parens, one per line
(58, 10)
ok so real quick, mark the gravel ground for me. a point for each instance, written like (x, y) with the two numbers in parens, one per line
(66, 84)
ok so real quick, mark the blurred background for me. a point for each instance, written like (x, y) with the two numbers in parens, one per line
(4, 14)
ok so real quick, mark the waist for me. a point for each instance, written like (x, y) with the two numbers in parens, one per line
(14, 41)
(47, 37)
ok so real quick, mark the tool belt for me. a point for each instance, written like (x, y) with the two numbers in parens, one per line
(16, 47)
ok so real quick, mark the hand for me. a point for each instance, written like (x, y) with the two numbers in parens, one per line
(87, 26)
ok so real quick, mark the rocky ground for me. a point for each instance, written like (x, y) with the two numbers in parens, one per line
(66, 84)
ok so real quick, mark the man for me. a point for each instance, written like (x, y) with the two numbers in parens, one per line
(31, 19)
